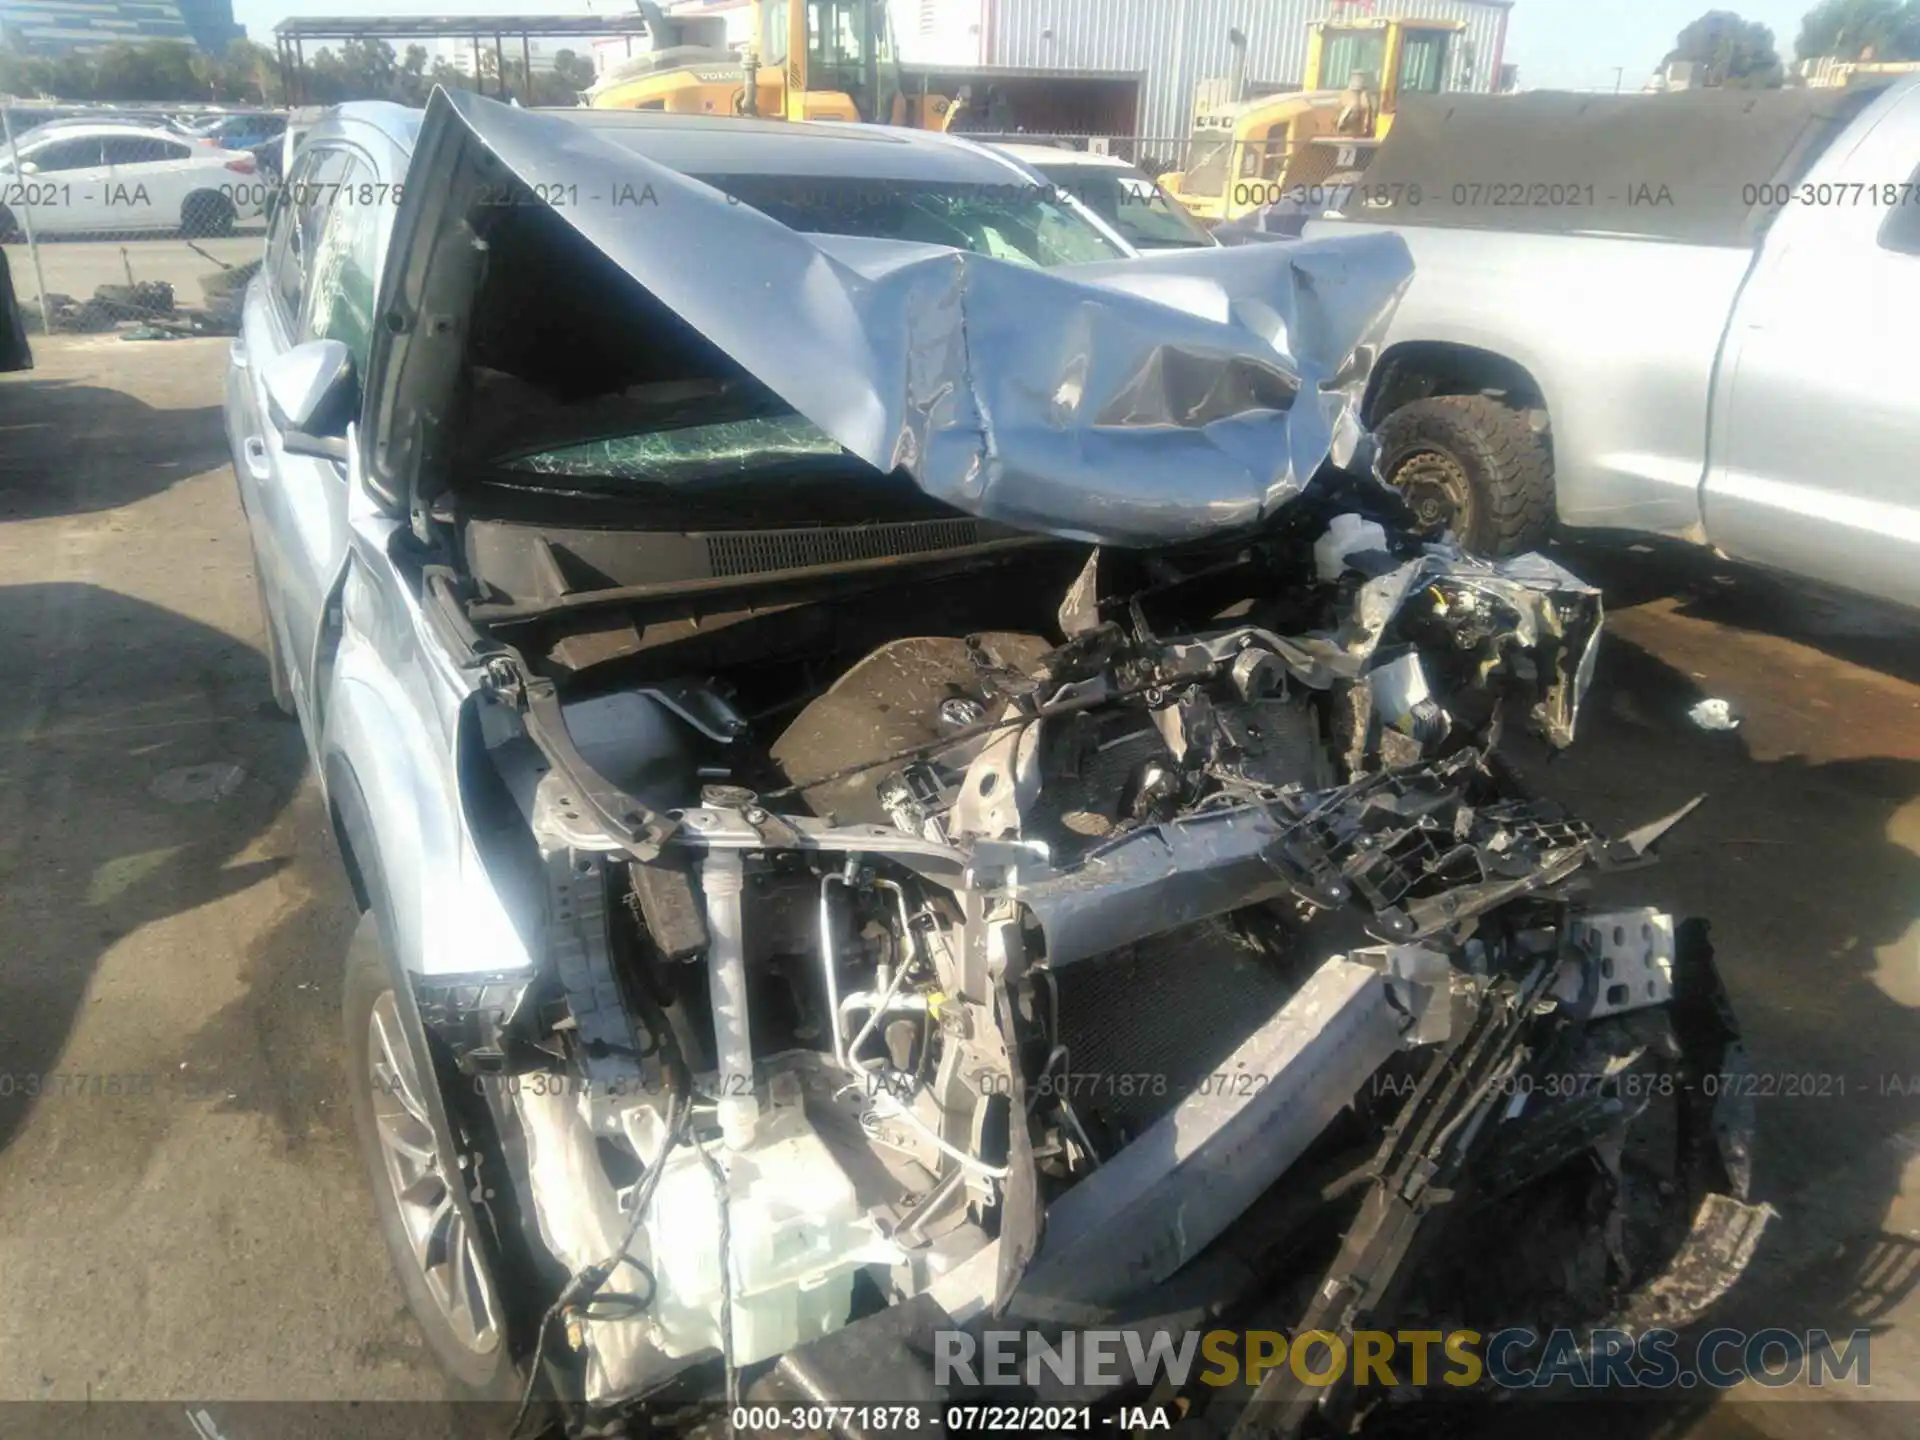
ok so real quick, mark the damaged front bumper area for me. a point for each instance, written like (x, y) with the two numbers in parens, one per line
(1133, 915)
(1024, 979)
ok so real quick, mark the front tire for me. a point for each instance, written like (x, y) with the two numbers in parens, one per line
(1475, 466)
(443, 1264)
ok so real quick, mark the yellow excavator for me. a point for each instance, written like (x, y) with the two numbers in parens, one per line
(1246, 154)
(805, 60)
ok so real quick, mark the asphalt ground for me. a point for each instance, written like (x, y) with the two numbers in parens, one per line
(196, 1232)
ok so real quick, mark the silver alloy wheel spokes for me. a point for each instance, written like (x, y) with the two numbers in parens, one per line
(436, 1228)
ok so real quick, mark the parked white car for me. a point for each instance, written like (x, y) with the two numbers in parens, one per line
(93, 179)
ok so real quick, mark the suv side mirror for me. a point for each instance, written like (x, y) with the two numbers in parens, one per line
(312, 394)
(27, 167)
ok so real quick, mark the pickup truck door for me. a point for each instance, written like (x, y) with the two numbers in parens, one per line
(1816, 420)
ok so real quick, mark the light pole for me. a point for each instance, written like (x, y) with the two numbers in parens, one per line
(1618, 72)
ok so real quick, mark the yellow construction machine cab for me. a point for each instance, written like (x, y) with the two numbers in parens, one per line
(1374, 62)
(1239, 150)
(807, 60)
(1246, 154)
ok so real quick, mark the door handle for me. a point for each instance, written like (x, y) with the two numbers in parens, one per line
(255, 450)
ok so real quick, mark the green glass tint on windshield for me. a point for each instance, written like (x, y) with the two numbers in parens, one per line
(695, 452)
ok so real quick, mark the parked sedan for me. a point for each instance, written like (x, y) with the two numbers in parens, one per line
(804, 645)
(74, 179)
(242, 131)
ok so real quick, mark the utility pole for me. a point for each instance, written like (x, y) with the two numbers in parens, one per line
(1619, 71)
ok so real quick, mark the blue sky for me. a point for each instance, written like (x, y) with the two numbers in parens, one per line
(1557, 43)
(1575, 44)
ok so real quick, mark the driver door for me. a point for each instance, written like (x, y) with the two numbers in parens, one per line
(317, 283)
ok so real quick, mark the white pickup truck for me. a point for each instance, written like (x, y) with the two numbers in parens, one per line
(1695, 314)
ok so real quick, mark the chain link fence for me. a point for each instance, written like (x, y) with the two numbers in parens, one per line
(129, 222)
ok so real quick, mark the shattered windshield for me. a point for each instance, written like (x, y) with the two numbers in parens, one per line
(1027, 224)
(693, 452)
(1021, 222)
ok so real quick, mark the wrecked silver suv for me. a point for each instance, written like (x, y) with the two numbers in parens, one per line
(892, 787)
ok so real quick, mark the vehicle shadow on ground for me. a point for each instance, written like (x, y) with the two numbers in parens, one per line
(276, 1048)
(72, 449)
(1814, 904)
(1864, 632)
(136, 775)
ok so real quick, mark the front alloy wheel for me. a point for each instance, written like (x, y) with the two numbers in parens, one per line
(423, 1186)
(422, 1190)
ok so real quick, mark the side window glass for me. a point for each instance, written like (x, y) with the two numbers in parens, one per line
(297, 219)
(282, 264)
(67, 155)
(133, 150)
(1901, 229)
(340, 267)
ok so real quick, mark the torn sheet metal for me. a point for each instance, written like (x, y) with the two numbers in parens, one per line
(1132, 402)
(1163, 1199)
(1529, 594)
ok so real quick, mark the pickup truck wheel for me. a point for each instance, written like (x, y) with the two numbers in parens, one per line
(1475, 466)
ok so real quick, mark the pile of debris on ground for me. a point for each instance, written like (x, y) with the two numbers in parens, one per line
(147, 309)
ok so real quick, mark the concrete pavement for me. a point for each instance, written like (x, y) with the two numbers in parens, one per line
(176, 917)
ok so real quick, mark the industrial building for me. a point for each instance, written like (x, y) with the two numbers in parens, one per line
(1172, 45)
(63, 27)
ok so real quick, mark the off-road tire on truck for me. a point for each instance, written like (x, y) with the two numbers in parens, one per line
(1474, 465)
(206, 214)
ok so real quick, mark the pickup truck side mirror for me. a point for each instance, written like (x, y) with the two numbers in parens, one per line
(312, 394)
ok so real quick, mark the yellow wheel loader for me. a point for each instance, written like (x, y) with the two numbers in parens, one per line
(1246, 154)
(805, 60)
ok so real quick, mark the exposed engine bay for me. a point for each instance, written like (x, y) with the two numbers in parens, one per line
(1020, 967)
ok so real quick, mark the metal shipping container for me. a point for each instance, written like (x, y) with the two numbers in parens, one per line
(1172, 44)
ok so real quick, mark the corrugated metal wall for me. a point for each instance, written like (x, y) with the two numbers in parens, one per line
(1177, 43)
(939, 32)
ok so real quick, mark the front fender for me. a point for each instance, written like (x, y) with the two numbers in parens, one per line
(388, 760)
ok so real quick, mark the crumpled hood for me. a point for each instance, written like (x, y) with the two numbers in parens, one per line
(1130, 403)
